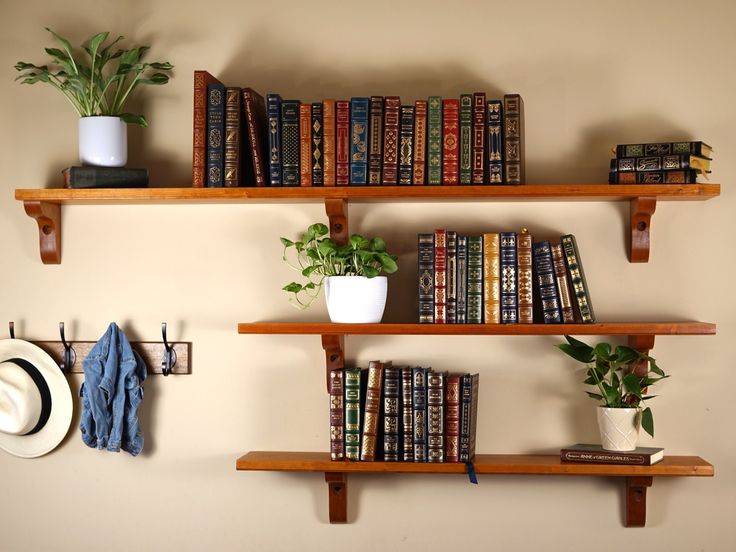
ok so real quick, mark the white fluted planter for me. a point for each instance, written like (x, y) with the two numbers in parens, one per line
(356, 299)
(103, 141)
(619, 428)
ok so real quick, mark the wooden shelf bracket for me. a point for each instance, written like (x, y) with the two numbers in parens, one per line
(636, 500)
(334, 346)
(337, 483)
(337, 213)
(48, 218)
(641, 210)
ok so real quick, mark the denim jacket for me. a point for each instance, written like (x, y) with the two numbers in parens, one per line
(111, 394)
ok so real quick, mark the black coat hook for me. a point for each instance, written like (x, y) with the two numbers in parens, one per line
(70, 356)
(11, 329)
(169, 360)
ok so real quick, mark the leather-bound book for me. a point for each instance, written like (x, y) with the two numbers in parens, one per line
(406, 145)
(479, 138)
(509, 306)
(513, 139)
(420, 142)
(546, 284)
(407, 415)
(451, 142)
(352, 414)
(687, 176)
(466, 139)
(372, 411)
(419, 400)
(452, 418)
(233, 176)
(440, 276)
(290, 142)
(451, 277)
(391, 414)
(256, 128)
(425, 270)
(491, 279)
(462, 280)
(273, 112)
(580, 289)
(328, 135)
(436, 416)
(215, 135)
(199, 128)
(664, 148)
(434, 141)
(494, 118)
(661, 163)
(359, 141)
(375, 151)
(475, 279)
(468, 416)
(342, 143)
(337, 415)
(104, 177)
(563, 284)
(305, 144)
(391, 122)
(317, 145)
(525, 285)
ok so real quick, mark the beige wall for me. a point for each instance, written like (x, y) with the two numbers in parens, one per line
(592, 74)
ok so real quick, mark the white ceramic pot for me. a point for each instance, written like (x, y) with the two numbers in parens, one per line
(103, 141)
(619, 427)
(356, 299)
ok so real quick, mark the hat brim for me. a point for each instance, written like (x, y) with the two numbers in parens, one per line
(60, 418)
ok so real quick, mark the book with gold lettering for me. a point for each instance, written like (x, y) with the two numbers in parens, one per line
(419, 405)
(425, 269)
(342, 142)
(687, 176)
(491, 279)
(406, 145)
(256, 130)
(452, 418)
(436, 416)
(466, 139)
(359, 141)
(451, 277)
(507, 266)
(391, 136)
(479, 138)
(273, 110)
(215, 135)
(199, 128)
(468, 416)
(475, 280)
(434, 140)
(372, 411)
(391, 413)
(407, 415)
(580, 289)
(462, 280)
(375, 152)
(549, 297)
(661, 163)
(526, 293)
(440, 276)
(495, 148)
(352, 413)
(317, 146)
(290, 142)
(664, 148)
(450, 142)
(328, 136)
(305, 144)
(514, 157)
(337, 413)
(420, 142)
(563, 284)
(233, 165)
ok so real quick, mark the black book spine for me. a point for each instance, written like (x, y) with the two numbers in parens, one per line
(391, 445)
(462, 280)
(105, 177)
(419, 405)
(509, 278)
(580, 289)
(290, 142)
(466, 389)
(425, 258)
(545, 274)
(407, 414)
(215, 135)
(451, 277)
(317, 146)
(495, 141)
(436, 417)
(273, 110)
(406, 145)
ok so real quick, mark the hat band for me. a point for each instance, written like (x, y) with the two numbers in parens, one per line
(43, 389)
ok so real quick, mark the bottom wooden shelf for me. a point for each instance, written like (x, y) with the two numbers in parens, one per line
(637, 478)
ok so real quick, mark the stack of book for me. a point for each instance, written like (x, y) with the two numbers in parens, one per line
(596, 454)
(240, 139)
(660, 163)
(402, 414)
(500, 278)
(104, 177)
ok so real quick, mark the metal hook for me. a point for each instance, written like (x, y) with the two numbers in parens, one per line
(70, 356)
(169, 360)
(11, 329)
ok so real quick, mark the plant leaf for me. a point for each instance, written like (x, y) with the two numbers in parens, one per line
(64, 42)
(93, 44)
(595, 396)
(156, 79)
(632, 384)
(602, 350)
(134, 119)
(581, 355)
(647, 421)
(388, 263)
(626, 355)
(293, 287)
(286, 243)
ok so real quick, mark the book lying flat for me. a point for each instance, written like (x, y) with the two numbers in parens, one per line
(596, 454)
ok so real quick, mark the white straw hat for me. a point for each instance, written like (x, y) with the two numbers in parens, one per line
(35, 400)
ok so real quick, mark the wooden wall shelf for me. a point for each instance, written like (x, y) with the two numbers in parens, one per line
(636, 478)
(43, 205)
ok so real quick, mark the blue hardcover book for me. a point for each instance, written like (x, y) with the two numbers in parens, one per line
(290, 142)
(273, 110)
(494, 120)
(419, 400)
(509, 278)
(215, 135)
(317, 146)
(359, 108)
(546, 283)
(425, 269)
(462, 280)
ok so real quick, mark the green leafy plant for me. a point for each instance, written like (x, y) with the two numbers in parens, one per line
(621, 377)
(100, 82)
(317, 256)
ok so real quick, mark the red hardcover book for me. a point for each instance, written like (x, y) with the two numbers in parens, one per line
(305, 144)
(452, 418)
(199, 128)
(337, 416)
(420, 142)
(440, 282)
(392, 116)
(479, 138)
(257, 130)
(342, 143)
(451, 142)
(328, 141)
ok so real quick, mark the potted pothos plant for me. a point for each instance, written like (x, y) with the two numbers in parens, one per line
(620, 377)
(98, 81)
(355, 290)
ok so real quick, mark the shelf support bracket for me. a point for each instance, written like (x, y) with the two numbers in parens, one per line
(334, 346)
(48, 218)
(337, 483)
(644, 344)
(641, 210)
(636, 500)
(337, 213)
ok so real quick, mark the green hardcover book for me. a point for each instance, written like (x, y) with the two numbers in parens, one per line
(434, 141)
(475, 280)
(352, 414)
(580, 289)
(466, 138)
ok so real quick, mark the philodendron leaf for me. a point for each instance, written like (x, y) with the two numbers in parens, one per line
(307, 272)
(377, 244)
(156, 78)
(358, 242)
(94, 43)
(293, 287)
(626, 355)
(64, 42)
(581, 355)
(595, 396)
(286, 243)
(632, 384)
(388, 263)
(602, 350)
(647, 421)
(654, 368)
(370, 272)
(134, 119)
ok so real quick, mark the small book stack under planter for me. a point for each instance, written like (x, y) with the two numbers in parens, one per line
(660, 163)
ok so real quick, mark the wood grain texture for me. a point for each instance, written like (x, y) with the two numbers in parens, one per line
(48, 217)
(641, 210)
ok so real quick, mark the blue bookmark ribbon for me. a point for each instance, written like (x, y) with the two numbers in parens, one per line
(470, 470)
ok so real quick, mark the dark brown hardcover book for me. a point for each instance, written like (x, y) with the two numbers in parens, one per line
(199, 127)
(563, 284)
(337, 416)
(328, 138)
(375, 134)
(420, 142)
(406, 147)
(479, 138)
(436, 416)
(256, 127)
(452, 418)
(525, 286)
(305, 144)
(233, 141)
(450, 142)
(407, 415)
(513, 139)
(392, 117)
(372, 411)
(317, 145)
(687, 176)
(342, 143)
(596, 454)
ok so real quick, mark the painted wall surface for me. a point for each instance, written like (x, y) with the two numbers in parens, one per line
(592, 74)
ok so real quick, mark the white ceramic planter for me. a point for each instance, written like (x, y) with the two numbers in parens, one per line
(619, 428)
(103, 141)
(356, 299)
